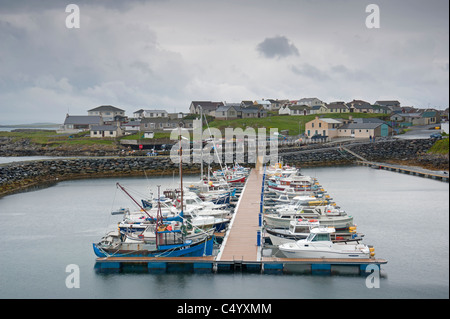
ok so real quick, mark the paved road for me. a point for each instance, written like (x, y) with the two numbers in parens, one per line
(419, 132)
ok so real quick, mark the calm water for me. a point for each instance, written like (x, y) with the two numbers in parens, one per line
(404, 217)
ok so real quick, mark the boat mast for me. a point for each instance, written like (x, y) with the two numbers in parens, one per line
(142, 208)
(181, 168)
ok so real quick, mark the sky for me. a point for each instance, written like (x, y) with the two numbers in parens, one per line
(163, 54)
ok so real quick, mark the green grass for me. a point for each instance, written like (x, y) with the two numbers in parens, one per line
(440, 147)
(293, 123)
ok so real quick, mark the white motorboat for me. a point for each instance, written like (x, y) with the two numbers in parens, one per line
(298, 229)
(301, 228)
(319, 245)
(328, 216)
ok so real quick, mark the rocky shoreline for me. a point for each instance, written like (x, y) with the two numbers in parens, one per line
(18, 176)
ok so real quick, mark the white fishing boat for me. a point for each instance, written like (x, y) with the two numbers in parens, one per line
(328, 216)
(319, 245)
(301, 228)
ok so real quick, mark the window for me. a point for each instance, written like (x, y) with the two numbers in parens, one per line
(111, 132)
(320, 124)
(312, 125)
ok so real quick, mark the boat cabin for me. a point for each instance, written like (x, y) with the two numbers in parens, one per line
(320, 234)
(302, 226)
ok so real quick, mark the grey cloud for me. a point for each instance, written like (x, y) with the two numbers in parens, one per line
(277, 47)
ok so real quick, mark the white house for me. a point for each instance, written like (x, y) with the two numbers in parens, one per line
(310, 101)
(107, 112)
(100, 131)
(150, 114)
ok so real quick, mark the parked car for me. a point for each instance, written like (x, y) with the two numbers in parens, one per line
(319, 137)
(436, 135)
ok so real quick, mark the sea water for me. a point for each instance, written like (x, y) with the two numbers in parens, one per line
(45, 232)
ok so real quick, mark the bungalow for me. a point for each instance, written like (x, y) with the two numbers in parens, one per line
(380, 109)
(253, 112)
(323, 126)
(160, 124)
(310, 101)
(364, 130)
(394, 106)
(318, 109)
(207, 107)
(295, 110)
(275, 105)
(337, 107)
(107, 112)
(100, 131)
(229, 111)
(77, 123)
(264, 104)
(150, 113)
(360, 106)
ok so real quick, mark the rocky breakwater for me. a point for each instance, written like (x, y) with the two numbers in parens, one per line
(18, 176)
(389, 150)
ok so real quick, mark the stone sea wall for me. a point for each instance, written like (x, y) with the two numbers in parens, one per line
(18, 176)
(381, 151)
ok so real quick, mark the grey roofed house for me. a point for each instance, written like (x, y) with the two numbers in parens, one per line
(367, 126)
(368, 120)
(207, 106)
(103, 108)
(83, 120)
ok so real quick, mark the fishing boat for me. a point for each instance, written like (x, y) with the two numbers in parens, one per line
(170, 238)
(328, 216)
(319, 245)
(301, 228)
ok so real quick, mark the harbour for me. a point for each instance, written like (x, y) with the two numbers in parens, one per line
(241, 248)
(386, 209)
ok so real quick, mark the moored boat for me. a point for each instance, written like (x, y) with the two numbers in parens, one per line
(319, 245)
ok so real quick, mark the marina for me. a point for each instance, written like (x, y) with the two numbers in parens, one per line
(386, 211)
(242, 245)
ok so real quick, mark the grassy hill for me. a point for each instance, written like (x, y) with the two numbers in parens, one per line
(293, 123)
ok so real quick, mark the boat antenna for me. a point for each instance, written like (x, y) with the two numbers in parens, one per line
(142, 208)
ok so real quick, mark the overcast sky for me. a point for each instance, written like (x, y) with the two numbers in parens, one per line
(163, 54)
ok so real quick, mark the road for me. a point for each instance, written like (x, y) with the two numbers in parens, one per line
(419, 132)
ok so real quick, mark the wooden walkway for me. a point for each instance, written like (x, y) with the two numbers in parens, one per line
(240, 243)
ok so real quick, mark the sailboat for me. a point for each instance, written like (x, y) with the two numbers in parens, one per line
(161, 239)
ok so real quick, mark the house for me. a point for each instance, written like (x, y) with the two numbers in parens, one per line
(318, 109)
(364, 130)
(150, 113)
(131, 127)
(393, 106)
(100, 131)
(253, 112)
(229, 111)
(207, 107)
(160, 124)
(108, 113)
(77, 123)
(323, 126)
(310, 101)
(337, 107)
(264, 104)
(295, 110)
(430, 117)
(246, 103)
(380, 109)
(360, 106)
(277, 104)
